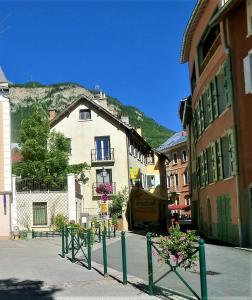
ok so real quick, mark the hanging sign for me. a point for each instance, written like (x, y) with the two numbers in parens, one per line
(134, 173)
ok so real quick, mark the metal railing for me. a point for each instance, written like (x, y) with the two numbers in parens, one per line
(103, 154)
(28, 185)
(98, 189)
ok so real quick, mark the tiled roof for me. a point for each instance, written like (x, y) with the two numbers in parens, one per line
(176, 139)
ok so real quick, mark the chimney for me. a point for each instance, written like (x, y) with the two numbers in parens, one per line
(139, 130)
(125, 119)
(52, 113)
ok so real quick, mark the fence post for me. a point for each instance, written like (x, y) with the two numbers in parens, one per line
(104, 251)
(99, 232)
(63, 242)
(124, 258)
(33, 234)
(203, 277)
(72, 243)
(109, 230)
(89, 249)
(67, 234)
(150, 266)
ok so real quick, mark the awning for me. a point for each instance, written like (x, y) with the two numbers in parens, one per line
(177, 207)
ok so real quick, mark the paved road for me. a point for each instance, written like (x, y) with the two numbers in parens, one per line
(231, 268)
(34, 270)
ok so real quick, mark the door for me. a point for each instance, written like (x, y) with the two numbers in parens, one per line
(104, 176)
(224, 218)
(102, 148)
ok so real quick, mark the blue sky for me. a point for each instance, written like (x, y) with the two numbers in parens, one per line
(131, 49)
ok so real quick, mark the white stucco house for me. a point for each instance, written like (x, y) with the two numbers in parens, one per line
(116, 152)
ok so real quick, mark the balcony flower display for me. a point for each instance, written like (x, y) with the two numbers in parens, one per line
(178, 248)
(104, 197)
(104, 188)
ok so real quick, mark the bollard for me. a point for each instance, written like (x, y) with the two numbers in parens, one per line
(203, 277)
(89, 249)
(150, 266)
(33, 234)
(67, 234)
(63, 242)
(124, 259)
(104, 252)
(72, 243)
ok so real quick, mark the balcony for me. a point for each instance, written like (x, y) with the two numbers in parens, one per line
(99, 188)
(173, 190)
(102, 155)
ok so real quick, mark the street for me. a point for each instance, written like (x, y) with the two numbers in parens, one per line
(229, 269)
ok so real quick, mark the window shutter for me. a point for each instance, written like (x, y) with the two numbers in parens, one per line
(209, 104)
(228, 82)
(202, 120)
(202, 170)
(205, 167)
(214, 162)
(198, 171)
(195, 130)
(219, 159)
(232, 151)
(199, 120)
(247, 74)
(214, 97)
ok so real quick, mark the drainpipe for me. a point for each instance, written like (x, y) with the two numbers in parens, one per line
(228, 51)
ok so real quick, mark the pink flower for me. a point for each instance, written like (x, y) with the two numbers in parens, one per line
(104, 197)
(182, 238)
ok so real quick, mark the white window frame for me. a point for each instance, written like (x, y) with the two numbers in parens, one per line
(184, 178)
(249, 16)
(247, 70)
(85, 110)
(173, 161)
(174, 180)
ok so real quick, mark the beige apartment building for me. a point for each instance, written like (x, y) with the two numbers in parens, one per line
(117, 153)
(175, 148)
(5, 159)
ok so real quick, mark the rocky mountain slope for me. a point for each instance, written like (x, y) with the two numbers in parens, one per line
(62, 94)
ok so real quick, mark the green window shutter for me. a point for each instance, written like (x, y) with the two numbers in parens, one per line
(202, 119)
(219, 159)
(198, 172)
(214, 162)
(195, 130)
(214, 93)
(198, 120)
(209, 104)
(232, 151)
(205, 167)
(202, 170)
(228, 82)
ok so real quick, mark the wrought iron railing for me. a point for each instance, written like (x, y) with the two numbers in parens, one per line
(31, 185)
(98, 188)
(102, 154)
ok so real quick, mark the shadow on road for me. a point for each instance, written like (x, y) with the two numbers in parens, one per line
(13, 289)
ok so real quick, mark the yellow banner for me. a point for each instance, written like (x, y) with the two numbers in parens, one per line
(134, 173)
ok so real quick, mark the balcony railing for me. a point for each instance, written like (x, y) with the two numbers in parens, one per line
(100, 155)
(103, 188)
(210, 53)
(173, 189)
(31, 185)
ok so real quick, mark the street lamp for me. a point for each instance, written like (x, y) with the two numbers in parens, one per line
(103, 174)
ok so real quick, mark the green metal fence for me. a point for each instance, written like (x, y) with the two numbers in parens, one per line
(45, 234)
(152, 285)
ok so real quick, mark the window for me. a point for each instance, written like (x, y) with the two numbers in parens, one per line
(150, 158)
(69, 148)
(104, 176)
(247, 70)
(184, 156)
(222, 101)
(103, 150)
(176, 182)
(174, 158)
(187, 201)
(39, 213)
(138, 154)
(185, 178)
(205, 110)
(226, 157)
(131, 147)
(193, 79)
(85, 114)
(209, 165)
(168, 181)
(150, 181)
(249, 16)
(135, 150)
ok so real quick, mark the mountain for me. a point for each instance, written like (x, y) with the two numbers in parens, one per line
(60, 95)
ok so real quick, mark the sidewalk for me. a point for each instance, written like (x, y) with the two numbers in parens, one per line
(33, 269)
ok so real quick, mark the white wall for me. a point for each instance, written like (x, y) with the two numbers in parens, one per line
(82, 134)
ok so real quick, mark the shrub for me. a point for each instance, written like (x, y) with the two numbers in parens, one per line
(59, 222)
(178, 248)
